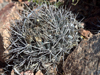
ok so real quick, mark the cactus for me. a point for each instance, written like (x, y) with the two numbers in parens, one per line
(42, 37)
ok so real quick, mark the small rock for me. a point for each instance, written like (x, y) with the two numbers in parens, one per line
(1, 71)
(7, 0)
(1, 1)
(39, 73)
(85, 33)
(27, 73)
(85, 59)
(7, 14)
(12, 72)
(20, 0)
(53, 1)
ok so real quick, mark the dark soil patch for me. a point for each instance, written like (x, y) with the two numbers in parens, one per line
(89, 10)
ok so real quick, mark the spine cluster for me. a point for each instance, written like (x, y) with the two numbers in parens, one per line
(42, 37)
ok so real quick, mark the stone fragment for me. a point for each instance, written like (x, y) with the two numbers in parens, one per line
(8, 0)
(27, 73)
(7, 14)
(1, 1)
(12, 72)
(85, 33)
(39, 73)
(20, 0)
(85, 59)
(1, 71)
(53, 1)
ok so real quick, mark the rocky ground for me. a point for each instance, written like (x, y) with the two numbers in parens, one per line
(85, 59)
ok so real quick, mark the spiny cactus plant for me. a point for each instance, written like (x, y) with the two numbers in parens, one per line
(42, 37)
